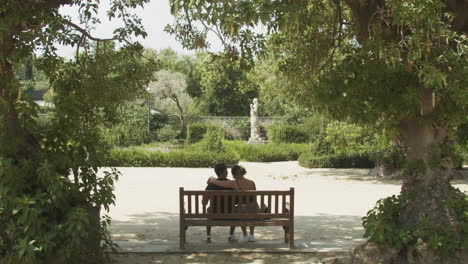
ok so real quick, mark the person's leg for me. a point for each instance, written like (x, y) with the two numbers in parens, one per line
(208, 233)
(251, 236)
(231, 236)
(245, 237)
(244, 230)
(231, 230)
(208, 228)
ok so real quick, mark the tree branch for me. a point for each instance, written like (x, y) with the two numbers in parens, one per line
(86, 33)
(56, 3)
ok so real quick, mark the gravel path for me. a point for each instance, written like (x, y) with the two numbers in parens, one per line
(329, 206)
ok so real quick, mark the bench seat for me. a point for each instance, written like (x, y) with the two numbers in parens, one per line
(236, 222)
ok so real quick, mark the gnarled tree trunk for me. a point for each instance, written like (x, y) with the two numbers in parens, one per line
(425, 190)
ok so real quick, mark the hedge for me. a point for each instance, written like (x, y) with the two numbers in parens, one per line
(349, 160)
(175, 158)
(281, 133)
(196, 131)
(267, 152)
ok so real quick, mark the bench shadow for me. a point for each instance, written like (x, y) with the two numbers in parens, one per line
(159, 232)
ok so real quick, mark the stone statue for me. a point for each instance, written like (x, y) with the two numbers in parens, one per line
(254, 124)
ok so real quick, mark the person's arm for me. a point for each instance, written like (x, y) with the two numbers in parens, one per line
(224, 184)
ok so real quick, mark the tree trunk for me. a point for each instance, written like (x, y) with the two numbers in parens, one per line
(425, 190)
(183, 122)
(11, 132)
(15, 142)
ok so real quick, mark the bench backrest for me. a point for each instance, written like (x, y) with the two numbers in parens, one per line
(237, 204)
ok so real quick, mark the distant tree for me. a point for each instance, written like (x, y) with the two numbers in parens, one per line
(223, 88)
(274, 93)
(171, 98)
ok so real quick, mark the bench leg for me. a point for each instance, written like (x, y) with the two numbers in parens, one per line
(291, 237)
(182, 236)
(286, 231)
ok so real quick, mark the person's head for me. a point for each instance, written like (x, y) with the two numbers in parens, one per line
(221, 170)
(238, 171)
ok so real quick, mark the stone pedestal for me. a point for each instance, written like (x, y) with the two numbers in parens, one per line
(256, 141)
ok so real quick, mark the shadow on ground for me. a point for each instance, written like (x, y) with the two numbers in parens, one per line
(232, 258)
(368, 175)
(159, 232)
(362, 175)
(365, 175)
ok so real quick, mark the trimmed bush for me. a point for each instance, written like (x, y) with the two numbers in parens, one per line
(281, 133)
(319, 146)
(349, 160)
(392, 158)
(196, 131)
(346, 137)
(177, 158)
(263, 154)
(131, 129)
(213, 140)
(268, 152)
(167, 133)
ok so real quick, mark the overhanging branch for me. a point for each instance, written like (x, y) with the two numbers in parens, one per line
(86, 33)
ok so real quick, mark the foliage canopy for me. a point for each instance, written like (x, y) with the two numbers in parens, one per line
(49, 186)
(398, 64)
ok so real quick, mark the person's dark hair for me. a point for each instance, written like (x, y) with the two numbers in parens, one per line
(219, 169)
(238, 170)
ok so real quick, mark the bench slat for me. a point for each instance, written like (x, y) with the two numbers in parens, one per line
(262, 204)
(269, 203)
(189, 202)
(283, 210)
(196, 204)
(276, 203)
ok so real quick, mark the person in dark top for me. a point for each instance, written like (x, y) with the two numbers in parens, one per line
(222, 173)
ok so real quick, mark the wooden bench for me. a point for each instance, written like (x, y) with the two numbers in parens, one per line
(280, 210)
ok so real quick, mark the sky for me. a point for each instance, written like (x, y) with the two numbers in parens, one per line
(155, 16)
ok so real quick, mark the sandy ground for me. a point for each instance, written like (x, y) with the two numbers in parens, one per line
(233, 258)
(329, 206)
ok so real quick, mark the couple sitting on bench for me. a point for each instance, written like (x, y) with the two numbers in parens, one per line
(239, 183)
